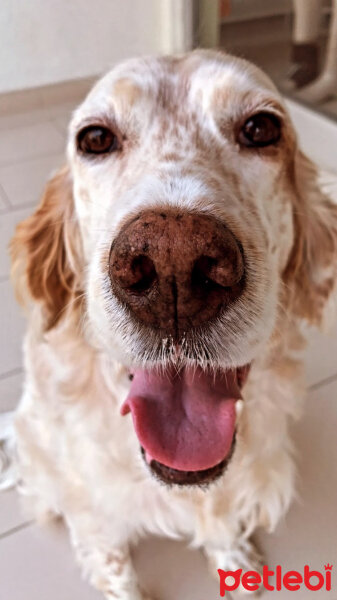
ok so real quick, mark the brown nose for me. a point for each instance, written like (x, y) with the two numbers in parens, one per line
(175, 271)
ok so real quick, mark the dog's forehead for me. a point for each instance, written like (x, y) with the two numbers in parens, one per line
(175, 80)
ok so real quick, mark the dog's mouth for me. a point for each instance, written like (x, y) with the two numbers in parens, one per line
(185, 421)
(174, 476)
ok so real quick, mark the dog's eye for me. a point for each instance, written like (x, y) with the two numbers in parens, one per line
(97, 140)
(262, 129)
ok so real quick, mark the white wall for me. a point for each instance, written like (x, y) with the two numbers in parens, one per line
(47, 41)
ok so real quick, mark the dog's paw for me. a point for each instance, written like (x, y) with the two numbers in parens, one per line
(8, 471)
(244, 556)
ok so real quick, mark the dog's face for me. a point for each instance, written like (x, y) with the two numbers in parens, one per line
(186, 193)
(203, 137)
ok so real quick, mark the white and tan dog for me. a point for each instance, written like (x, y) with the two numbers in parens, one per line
(167, 274)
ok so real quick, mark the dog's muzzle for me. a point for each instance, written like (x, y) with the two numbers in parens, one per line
(176, 271)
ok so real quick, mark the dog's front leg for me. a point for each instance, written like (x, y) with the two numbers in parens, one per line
(240, 557)
(109, 570)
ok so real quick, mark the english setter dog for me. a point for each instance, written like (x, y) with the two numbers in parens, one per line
(167, 274)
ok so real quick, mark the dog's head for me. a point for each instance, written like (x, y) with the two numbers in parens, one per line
(190, 220)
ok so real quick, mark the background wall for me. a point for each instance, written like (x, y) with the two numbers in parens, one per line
(47, 41)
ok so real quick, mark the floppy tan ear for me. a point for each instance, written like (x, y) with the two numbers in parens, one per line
(45, 252)
(311, 272)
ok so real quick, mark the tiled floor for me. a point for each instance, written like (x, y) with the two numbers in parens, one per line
(37, 564)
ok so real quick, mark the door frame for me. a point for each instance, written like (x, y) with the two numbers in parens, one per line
(176, 18)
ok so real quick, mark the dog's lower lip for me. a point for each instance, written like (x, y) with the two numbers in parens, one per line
(188, 478)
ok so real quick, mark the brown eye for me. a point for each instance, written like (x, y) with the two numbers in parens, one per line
(97, 140)
(260, 130)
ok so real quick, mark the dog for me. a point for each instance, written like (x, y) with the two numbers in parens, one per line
(167, 275)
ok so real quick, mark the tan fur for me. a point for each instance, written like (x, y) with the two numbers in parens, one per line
(44, 251)
(311, 270)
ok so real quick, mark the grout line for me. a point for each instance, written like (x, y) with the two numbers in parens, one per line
(42, 118)
(13, 530)
(4, 198)
(46, 115)
(47, 97)
(18, 207)
(11, 373)
(60, 128)
(325, 381)
(27, 159)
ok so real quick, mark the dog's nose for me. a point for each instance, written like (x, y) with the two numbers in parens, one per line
(176, 270)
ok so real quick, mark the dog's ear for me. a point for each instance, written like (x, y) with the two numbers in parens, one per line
(310, 275)
(45, 252)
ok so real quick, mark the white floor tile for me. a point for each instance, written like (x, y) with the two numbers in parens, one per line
(24, 118)
(170, 571)
(3, 203)
(12, 326)
(63, 109)
(61, 114)
(321, 356)
(38, 565)
(11, 513)
(54, 112)
(30, 141)
(10, 391)
(23, 183)
(61, 123)
(8, 222)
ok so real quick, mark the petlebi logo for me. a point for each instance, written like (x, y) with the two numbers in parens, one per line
(276, 579)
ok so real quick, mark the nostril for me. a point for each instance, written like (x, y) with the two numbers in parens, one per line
(201, 273)
(143, 274)
(214, 273)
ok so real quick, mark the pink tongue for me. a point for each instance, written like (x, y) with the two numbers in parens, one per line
(185, 421)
